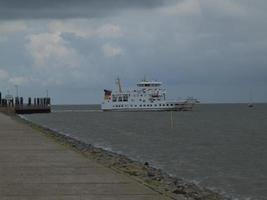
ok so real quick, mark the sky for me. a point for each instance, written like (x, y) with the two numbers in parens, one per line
(213, 50)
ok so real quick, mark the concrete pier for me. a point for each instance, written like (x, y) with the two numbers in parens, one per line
(34, 167)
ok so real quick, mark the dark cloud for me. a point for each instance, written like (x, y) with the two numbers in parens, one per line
(218, 54)
(28, 9)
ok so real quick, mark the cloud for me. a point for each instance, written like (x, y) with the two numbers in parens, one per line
(226, 7)
(51, 50)
(111, 51)
(3, 39)
(85, 29)
(32, 9)
(7, 78)
(12, 26)
(190, 45)
(204, 7)
(3, 75)
(18, 80)
(109, 30)
(187, 7)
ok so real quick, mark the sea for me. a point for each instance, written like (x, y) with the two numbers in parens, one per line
(219, 146)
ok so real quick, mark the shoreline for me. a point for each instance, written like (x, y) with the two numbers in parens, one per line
(145, 174)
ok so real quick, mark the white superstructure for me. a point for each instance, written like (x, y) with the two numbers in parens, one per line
(148, 96)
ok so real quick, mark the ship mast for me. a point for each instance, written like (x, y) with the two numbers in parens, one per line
(118, 82)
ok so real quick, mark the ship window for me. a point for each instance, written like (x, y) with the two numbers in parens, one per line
(171, 104)
(120, 98)
(167, 104)
(159, 104)
(135, 105)
(140, 99)
(144, 105)
(163, 105)
(140, 105)
(155, 105)
(125, 97)
(114, 98)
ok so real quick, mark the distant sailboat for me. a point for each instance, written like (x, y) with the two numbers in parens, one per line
(250, 104)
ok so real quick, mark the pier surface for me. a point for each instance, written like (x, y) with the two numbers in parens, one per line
(34, 167)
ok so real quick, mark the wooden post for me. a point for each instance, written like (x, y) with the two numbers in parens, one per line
(171, 119)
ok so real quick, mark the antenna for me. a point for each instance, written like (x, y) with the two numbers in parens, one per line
(17, 90)
(144, 78)
(47, 93)
(118, 82)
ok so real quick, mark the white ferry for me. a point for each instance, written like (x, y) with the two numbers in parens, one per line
(148, 96)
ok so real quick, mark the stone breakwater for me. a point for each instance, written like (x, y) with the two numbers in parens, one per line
(154, 178)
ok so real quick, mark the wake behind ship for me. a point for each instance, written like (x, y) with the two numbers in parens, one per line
(148, 96)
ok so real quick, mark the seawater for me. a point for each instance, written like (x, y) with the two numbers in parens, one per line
(220, 146)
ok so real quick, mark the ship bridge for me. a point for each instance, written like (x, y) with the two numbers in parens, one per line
(149, 84)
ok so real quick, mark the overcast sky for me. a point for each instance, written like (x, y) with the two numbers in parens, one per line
(214, 50)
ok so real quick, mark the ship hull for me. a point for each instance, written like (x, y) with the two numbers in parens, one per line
(126, 108)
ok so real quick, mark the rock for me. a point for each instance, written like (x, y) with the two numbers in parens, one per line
(146, 164)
